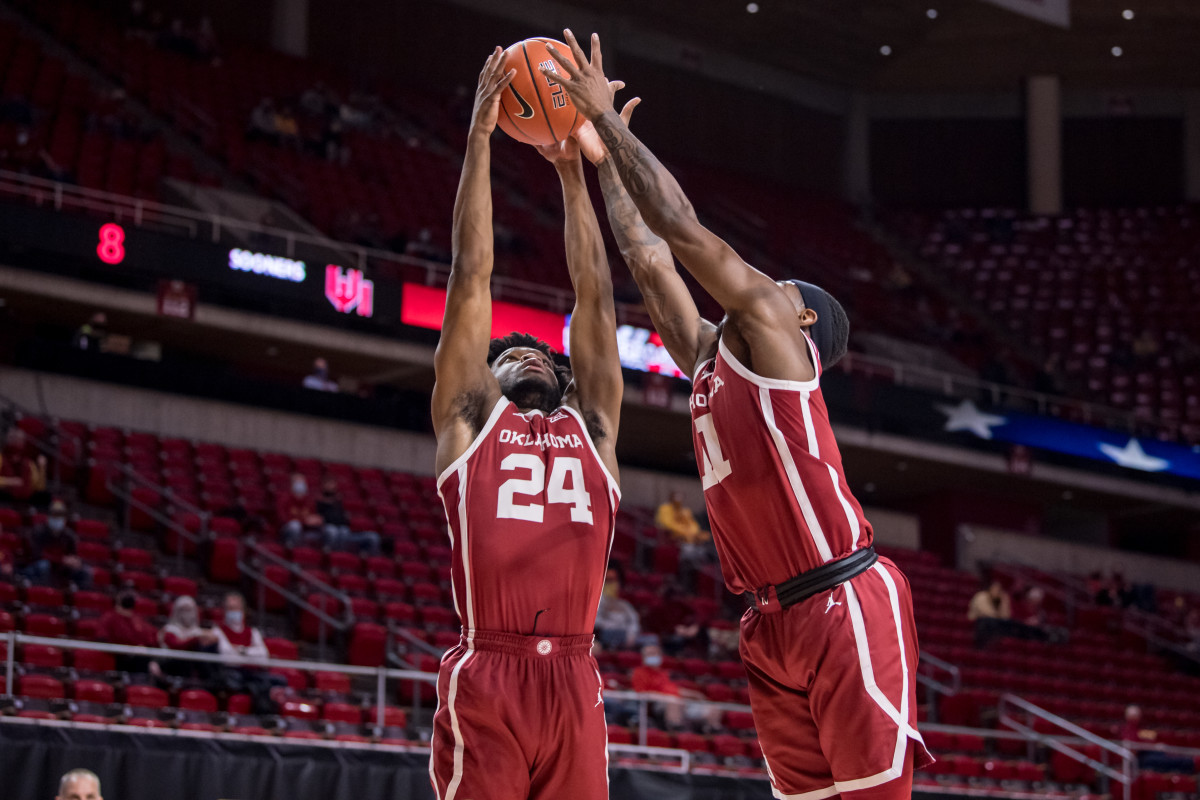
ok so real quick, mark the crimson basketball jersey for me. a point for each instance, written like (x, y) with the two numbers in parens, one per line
(777, 498)
(531, 509)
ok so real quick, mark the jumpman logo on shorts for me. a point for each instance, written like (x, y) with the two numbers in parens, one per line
(831, 603)
(599, 696)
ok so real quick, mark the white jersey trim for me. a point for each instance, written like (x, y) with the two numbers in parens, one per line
(501, 404)
(587, 437)
(793, 475)
(465, 550)
(774, 383)
(459, 744)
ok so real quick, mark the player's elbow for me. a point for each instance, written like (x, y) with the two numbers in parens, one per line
(672, 219)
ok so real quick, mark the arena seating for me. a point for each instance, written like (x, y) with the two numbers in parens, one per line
(1082, 289)
(1089, 680)
(58, 124)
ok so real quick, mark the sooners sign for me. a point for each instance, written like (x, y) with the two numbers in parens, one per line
(349, 291)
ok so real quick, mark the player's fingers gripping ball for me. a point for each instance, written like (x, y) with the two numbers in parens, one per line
(534, 108)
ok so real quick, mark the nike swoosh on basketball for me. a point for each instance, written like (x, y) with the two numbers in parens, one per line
(526, 109)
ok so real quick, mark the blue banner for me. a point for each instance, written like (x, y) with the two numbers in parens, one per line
(1047, 433)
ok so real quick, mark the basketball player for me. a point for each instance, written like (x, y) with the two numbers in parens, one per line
(527, 475)
(830, 643)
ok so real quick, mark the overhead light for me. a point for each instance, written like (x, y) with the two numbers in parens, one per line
(752, 8)
(1118, 52)
(1127, 13)
(931, 13)
(886, 50)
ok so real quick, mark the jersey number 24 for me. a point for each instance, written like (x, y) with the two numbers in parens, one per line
(562, 468)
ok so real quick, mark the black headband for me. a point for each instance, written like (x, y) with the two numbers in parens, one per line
(821, 331)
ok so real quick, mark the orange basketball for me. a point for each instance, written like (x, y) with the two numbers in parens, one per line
(533, 108)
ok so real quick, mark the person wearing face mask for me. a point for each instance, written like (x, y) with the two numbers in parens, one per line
(336, 524)
(238, 640)
(53, 555)
(123, 625)
(652, 678)
(617, 621)
(296, 512)
(183, 632)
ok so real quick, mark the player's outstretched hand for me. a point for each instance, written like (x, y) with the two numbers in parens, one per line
(565, 151)
(492, 81)
(585, 83)
(589, 141)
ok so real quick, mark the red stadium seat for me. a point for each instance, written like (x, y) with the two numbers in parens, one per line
(146, 697)
(284, 649)
(197, 700)
(335, 682)
(178, 586)
(299, 709)
(93, 530)
(93, 661)
(93, 691)
(38, 655)
(342, 712)
(40, 686)
(44, 625)
(368, 645)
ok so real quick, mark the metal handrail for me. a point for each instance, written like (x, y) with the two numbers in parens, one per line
(1125, 776)
(125, 492)
(263, 583)
(936, 687)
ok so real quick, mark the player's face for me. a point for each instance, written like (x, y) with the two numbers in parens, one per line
(81, 789)
(526, 376)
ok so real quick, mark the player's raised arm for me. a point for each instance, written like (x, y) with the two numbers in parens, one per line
(595, 361)
(738, 287)
(465, 388)
(687, 336)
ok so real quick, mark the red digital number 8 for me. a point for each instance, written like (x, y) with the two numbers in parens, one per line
(112, 244)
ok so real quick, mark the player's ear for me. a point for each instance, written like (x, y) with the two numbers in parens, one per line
(807, 317)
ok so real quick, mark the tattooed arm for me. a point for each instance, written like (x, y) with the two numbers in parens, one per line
(732, 282)
(761, 313)
(687, 336)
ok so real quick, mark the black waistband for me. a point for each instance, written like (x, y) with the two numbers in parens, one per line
(814, 581)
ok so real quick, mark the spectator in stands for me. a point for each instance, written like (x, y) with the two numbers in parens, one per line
(262, 121)
(79, 784)
(991, 611)
(723, 637)
(1191, 627)
(677, 520)
(318, 380)
(617, 621)
(22, 478)
(1145, 346)
(297, 513)
(90, 336)
(123, 625)
(1032, 612)
(335, 525)
(1142, 740)
(287, 128)
(53, 551)
(652, 677)
(183, 632)
(8, 563)
(237, 640)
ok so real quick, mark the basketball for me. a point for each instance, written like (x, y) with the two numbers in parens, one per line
(533, 108)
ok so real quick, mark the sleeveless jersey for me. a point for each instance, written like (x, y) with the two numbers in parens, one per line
(531, 509)
(777, 498)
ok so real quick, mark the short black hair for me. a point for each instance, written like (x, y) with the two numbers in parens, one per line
(515, 339)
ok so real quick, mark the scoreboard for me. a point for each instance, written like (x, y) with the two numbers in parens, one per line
(313, 283)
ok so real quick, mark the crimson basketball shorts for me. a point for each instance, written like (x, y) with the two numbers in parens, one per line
(519, 717)
(832, 684)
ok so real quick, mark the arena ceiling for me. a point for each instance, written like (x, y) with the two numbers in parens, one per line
(935, 44)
